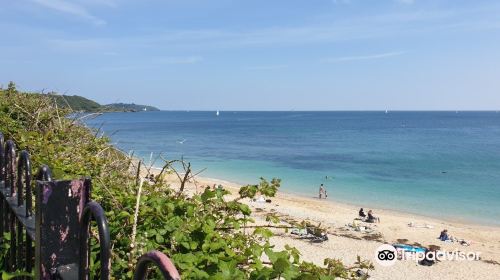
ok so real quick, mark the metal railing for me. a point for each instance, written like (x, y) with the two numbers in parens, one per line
(54, 240)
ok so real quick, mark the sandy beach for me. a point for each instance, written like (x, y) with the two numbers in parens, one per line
(346, 243)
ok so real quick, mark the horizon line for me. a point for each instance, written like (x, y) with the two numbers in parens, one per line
(339, 110)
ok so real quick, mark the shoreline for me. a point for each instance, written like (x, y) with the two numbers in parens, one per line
(395, 212)
(346, 243)
(392, 211)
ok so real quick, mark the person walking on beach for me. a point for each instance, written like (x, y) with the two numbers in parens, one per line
(322, 192)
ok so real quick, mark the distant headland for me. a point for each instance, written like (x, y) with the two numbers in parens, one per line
(82, 104)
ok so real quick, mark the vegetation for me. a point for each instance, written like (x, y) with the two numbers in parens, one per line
(125, 107)
(78, 103)
(82, 104)
(75, 102)
(207, 235)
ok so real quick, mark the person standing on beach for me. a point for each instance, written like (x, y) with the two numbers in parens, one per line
(322, 192)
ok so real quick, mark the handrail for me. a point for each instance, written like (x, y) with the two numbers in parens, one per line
(167, 268)
(94, 210)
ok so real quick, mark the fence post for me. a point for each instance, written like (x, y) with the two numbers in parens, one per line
(59, 208)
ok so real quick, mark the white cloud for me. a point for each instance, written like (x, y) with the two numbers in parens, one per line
(72, 9)
(365, 57)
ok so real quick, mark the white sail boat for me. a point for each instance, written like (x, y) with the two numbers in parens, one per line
(217, 114)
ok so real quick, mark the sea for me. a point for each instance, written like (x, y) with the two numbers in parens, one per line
(438, 164)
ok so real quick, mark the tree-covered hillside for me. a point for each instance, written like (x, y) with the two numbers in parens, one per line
(79, 103)
(75, 102)
(124, 107)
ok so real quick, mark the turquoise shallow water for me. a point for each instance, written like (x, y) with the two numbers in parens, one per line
(441, 164)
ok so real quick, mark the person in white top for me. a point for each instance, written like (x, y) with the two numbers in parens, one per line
(322, 192)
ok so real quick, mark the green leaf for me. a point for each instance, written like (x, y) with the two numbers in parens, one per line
(159, 238)
(264, 232)
(280, 266)
(245, 210)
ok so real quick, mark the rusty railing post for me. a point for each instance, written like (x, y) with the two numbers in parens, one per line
(59, 208)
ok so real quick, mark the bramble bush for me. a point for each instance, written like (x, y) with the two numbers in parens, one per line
(207, 235)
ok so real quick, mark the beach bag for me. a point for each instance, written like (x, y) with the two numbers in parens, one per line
(426, 262)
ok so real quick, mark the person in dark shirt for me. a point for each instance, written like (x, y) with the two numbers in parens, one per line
(362, 213)
(371, 218)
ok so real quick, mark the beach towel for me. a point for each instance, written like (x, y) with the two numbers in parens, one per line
(413, 225)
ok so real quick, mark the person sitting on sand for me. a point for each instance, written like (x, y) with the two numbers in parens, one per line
(444, 236)
(371, 218)
(362, 213)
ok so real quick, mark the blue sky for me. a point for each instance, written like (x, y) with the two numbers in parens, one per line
(258, 55)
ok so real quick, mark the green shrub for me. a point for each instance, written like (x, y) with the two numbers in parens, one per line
(206, 235)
